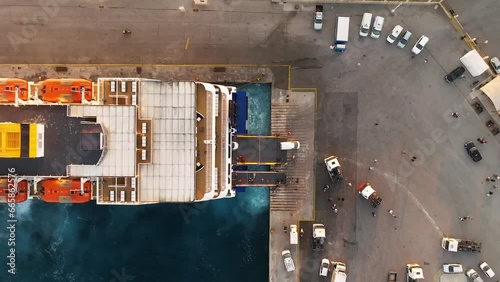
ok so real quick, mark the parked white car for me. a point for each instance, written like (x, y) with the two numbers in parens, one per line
(287, 259)
(404, 40)
(396, 31)
(495, 63)
(473, 276)
(419, 46)
(486, 269)
(452, 268)
(323, 268)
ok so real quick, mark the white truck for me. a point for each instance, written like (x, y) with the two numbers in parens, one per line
(454, 245)
(333, 168)
(341, 34)
(319, 236)
(339, 274)
(294, 236)
(318, 18)
(414, 272)
(366, 190)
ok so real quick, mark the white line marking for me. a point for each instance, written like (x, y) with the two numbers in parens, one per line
(394, 179)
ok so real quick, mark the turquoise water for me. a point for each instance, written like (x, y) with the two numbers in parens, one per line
(259, 108)
(223, 240)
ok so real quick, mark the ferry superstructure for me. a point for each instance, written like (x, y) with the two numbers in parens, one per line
(126, 141)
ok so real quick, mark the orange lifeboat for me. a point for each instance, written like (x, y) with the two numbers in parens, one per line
(8, 89)
(21, 194)
(65, 90)
(65, 191)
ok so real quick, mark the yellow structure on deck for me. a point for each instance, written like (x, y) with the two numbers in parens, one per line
(21, 140)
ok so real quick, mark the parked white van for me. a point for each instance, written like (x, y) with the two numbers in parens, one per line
(377, 27)
(289, 145)
(365, 24)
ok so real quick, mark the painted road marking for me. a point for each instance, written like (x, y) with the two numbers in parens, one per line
(187, 44)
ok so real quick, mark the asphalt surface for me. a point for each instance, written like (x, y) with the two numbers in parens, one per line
(480, 21)
(374, 101)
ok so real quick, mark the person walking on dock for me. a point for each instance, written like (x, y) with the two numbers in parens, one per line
(391, 212)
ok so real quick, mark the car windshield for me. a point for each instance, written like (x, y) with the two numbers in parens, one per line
(364, 30)
(420, 46)
(392, 37)
(376, 32)
(403, 41)
(318, 21)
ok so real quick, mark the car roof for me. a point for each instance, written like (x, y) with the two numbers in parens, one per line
(423, 39)
(469, 144)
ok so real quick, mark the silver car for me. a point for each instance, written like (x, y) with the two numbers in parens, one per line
(473, 276)
(486, 269)
(404, 40)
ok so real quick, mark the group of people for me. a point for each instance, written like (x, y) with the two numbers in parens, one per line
(492, 179)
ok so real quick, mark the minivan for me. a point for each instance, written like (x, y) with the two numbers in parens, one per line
(365, 25)
(377, 27)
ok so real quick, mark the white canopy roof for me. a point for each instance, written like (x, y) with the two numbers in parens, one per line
(474, 63)
(492, 90)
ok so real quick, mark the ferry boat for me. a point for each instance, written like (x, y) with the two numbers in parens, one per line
(21, 194)
(65, 90)
(65, 190)
(8, 90)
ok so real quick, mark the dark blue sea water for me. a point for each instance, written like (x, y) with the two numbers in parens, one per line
(223, 240)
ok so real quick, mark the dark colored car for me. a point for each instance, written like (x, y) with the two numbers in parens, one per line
(472, 151)
(454, 74)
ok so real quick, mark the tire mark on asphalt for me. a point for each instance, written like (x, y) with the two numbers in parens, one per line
(392, 178)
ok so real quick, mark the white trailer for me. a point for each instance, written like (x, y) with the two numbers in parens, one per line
(341, 34)
(294, 236)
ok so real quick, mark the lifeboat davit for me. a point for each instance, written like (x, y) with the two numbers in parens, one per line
(20, 195)
(8, 90)
(65, 90)
(65, 191)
